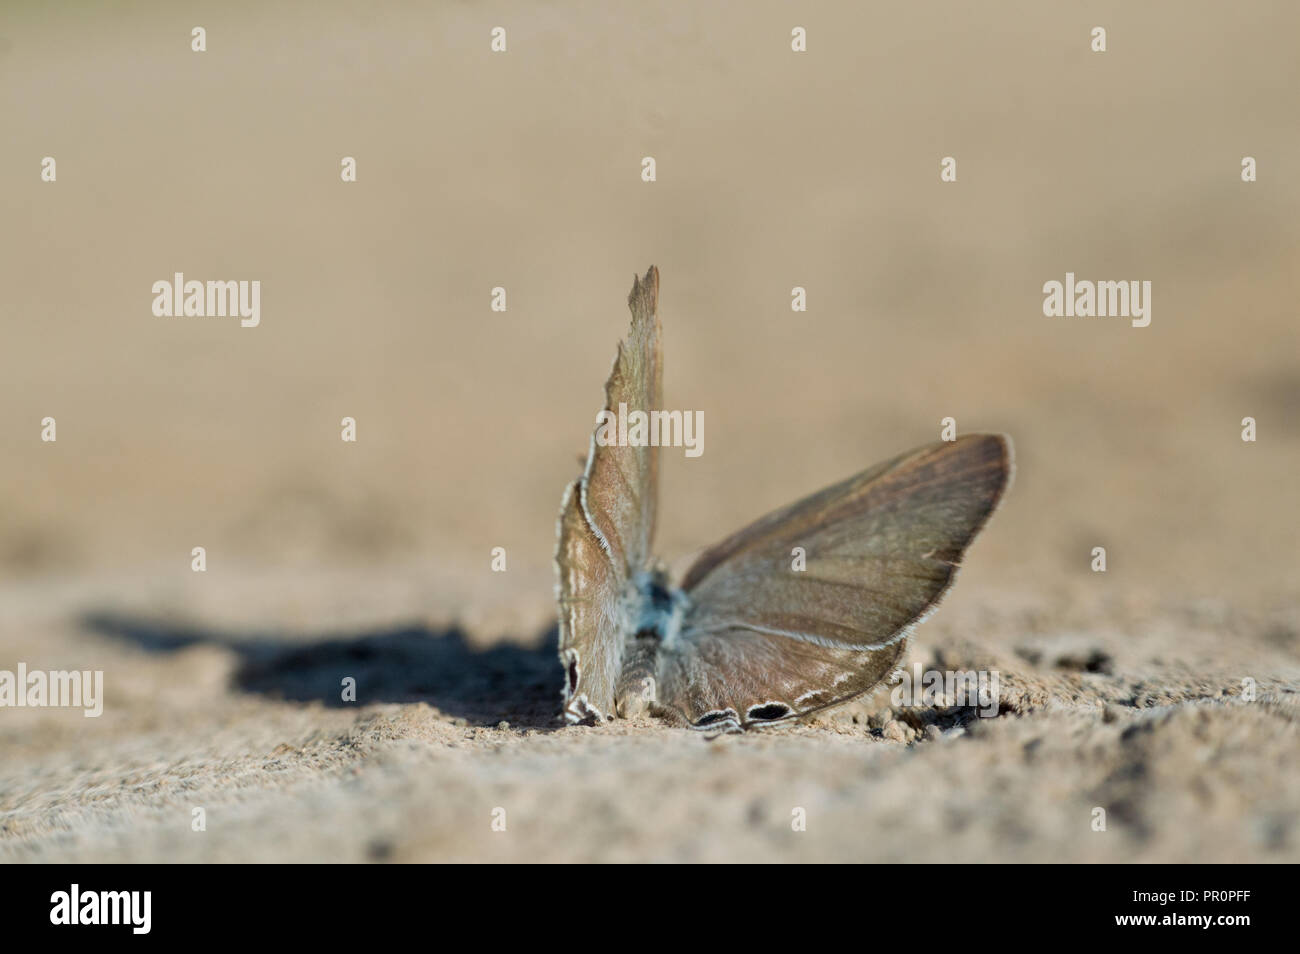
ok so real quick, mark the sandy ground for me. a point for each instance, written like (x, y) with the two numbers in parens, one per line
(1121, 690)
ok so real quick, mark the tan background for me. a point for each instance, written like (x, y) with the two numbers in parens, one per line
(775, 169)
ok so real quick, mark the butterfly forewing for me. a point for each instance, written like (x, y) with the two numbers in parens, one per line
(878, 551)
(621, 481)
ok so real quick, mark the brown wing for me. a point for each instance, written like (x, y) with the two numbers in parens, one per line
(880, 549)
(739, 678)
(621, 484)
(607, 523)
(587, 589)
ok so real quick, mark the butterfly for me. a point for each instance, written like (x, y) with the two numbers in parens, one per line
(749, 637)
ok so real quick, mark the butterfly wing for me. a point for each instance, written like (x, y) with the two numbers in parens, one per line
(740, 679)
(621, 483)
(587, 589)
(607, 521)
(763, 641)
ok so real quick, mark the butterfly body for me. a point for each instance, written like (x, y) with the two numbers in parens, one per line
(652, 613)
(750, 637)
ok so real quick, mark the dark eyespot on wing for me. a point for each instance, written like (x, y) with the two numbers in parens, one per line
(768, 712)
(713, 718)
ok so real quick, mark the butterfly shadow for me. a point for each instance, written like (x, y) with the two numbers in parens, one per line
(508, 682)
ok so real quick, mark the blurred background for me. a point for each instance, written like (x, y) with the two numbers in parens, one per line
(522, 169)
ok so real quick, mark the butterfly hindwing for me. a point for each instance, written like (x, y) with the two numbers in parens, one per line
(587, 589)
(741, 679)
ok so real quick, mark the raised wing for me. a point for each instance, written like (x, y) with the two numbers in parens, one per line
(607, 522)
(621, 483)
(764, 641)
